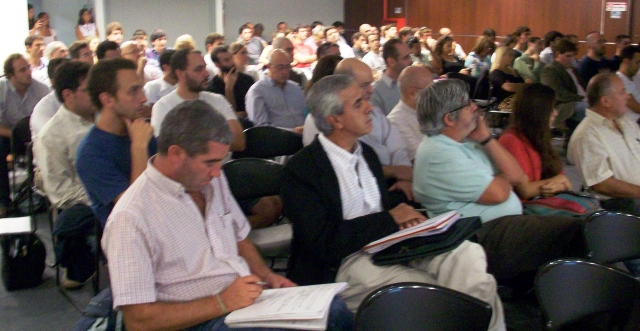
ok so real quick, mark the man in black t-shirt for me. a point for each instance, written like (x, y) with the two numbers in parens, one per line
(229, 82)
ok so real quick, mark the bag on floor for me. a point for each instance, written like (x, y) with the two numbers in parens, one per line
(23, 261)
(562, 204)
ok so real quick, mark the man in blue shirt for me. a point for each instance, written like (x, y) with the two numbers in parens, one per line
(115, 151)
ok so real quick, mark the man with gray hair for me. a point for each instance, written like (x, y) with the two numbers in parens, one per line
(462, 167)
(346, 206)
(275, 100)
(181, 210)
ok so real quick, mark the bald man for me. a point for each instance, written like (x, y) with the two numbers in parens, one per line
(130, 51)
(403, 116)
(383, 138)
(275, 100)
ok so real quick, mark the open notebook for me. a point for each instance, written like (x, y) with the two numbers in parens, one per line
(300, 307)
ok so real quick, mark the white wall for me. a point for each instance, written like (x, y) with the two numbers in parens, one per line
(63, 17)
(14, 27)
(194, 17)
(270, 12)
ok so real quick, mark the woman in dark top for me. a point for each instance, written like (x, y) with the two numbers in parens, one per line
(504, 79)
(444, 61)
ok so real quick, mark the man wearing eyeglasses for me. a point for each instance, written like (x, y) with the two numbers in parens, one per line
(275, 100)
(462, 167)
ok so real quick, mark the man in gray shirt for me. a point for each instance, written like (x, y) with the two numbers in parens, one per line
(397, 56)
(19, 93)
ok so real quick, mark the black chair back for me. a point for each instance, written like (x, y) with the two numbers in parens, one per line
(268, 142)
(612, 237)
(577, 294)
(252, 178)
(421, 307)
(483, 87)
(20, 137)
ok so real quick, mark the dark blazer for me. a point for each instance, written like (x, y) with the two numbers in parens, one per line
(556, 76)
(311, 200)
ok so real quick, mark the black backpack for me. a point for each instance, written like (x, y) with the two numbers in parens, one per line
(23, 261)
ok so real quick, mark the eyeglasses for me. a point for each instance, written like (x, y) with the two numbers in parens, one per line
(459, 108)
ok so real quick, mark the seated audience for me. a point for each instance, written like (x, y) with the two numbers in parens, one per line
(325, 67)
(185, 41)
(508, 41)
(479, 60)
(426, 39)
(396, 56)
(190, 70)
(241, 59)
(622, 41)
(528, 139)
(130, 51)
(462, 167)
(35, 51)
(403, 116)
(19, 94)
(374, 58)
(383, 138)
(346, 206)
(44, 30)
(253, 45)
(418, 55)
(629, 65)
(80, 51)
(528, 65)
(562, 77)
(444, 59)
(86, 25)
(594, 61)
(158, 45)
(212, 41)
(333, 36)
(490, 34)
(48, 105)
(56, 151)
(115, 150)
(219, 266)
(303, 54)
(360, 46)
(229, 82)
(275, 100)
(55, 50)
(546, 55)
(522, 35)
(503, 78)
(457, 49)
(388, 32)
(156, 89)
(114, 32)
(605, 145)
(108, 50)
(296, 75)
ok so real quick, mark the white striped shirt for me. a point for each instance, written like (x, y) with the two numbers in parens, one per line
(160, 248)
(359, 192)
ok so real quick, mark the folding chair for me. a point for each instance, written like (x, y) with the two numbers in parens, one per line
(612, 237)
(421, 307)
(578, 294)
(253, 178)
(267, 142)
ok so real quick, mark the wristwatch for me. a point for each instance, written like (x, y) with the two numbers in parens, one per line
(484, 142)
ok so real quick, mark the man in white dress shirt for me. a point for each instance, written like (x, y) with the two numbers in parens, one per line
(629, 65)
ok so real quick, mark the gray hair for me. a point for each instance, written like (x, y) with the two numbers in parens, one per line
(435, 101)
(191, 125)
(324, 100)
(599, 86)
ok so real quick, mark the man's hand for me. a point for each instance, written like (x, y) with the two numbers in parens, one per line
(230, 78)
(481, 132)
(241, 293)
(140, 131)
(401, 172)
(405, 216)
(142, 61)
(405, 186)
(535, 57)
(276, 281)
(298, 129)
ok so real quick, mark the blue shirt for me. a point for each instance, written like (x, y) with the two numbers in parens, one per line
(103, 162)
(449, 175)
(269, 105)
(386, 94)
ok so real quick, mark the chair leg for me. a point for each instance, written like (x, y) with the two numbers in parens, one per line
(96, 278)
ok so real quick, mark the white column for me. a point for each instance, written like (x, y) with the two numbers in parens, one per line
(14, 28)
(219, 16)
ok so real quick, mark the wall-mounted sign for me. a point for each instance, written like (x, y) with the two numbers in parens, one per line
(616, 14)
(616, 6)
(398, 10)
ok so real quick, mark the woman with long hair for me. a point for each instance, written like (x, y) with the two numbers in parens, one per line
(503, 77)
(241, 59)
(43, 29)
(528, 139)
(325, 67)
(444, 60)
(86, 26)
(479, 60)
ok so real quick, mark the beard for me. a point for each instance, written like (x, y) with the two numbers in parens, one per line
(195, 86)
(226, 70)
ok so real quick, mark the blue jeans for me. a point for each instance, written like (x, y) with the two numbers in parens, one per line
(340, 319)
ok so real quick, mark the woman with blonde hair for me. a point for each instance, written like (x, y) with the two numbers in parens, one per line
(479, 60)
(185, 41)
(504, 79)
